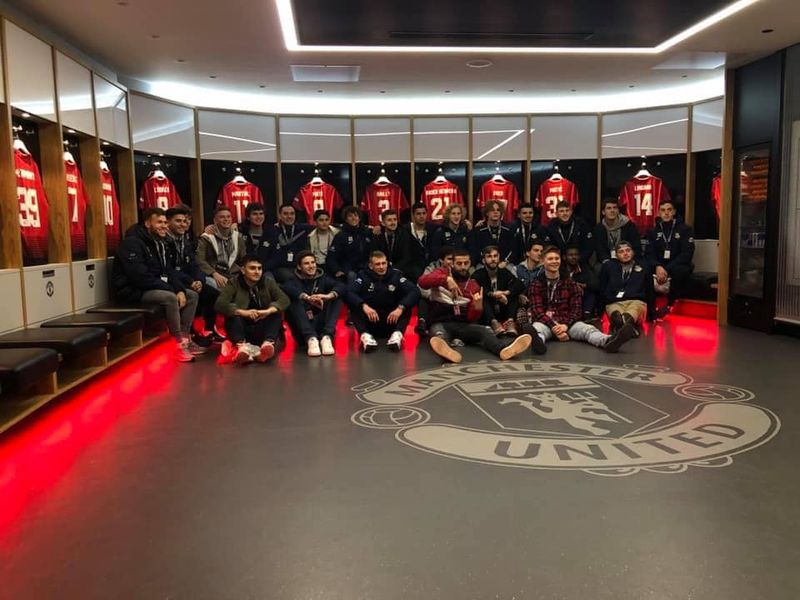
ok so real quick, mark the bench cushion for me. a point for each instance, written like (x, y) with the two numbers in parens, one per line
(69, 341)
(152, 313)
(20, 368)
(117, 324)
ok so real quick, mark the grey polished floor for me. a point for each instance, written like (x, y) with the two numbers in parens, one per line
(209, 482)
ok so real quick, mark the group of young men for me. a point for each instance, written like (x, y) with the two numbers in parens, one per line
(504, 286)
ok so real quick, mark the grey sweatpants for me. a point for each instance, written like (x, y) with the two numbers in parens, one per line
(179, 320)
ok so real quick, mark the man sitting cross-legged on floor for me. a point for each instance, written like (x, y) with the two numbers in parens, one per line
(555, 308)
(455, 309)
(315, 305)
(380, 300)
(501, 290)
(252, 306)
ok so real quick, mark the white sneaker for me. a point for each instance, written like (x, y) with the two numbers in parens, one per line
(368, 343)
(181, 352)
(243, 355)
(327, 346)
(313, 347)
(395, 341)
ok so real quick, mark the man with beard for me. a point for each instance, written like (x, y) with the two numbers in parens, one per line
(316, 301)
(220, 250)
(568, 230)
(457, 307)
(351, 247)
(252, 305)
(501, 290)
(612, 229)
(381, 300)
(555, 311)
(141, 274)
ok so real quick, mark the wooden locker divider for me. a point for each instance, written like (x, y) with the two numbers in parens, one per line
(54, 180)
(92, 179)
(689, 206)
(127, 192)
(470, 200)
(10, 240)
(196, 182)
(726, 203)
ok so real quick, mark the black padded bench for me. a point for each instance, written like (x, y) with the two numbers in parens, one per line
(701, 286)
(86, 345)
(123, 328)
(24, 369)
(154, 318)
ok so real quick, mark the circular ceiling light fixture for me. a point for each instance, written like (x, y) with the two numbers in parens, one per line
(479, 63)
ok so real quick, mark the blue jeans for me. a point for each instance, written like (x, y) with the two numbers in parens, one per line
(308, 322)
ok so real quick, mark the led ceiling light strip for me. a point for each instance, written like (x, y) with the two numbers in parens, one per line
(289, 28)
(238, 139)
(654, 125)
(501, 144)
(237, 151)
(645, 148)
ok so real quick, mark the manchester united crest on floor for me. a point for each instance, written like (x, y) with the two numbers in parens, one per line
(539, 415)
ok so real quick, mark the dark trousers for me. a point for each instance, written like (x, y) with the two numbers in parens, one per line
(208, 296)
(240, 329)
(381, 328)
(471, 334)
(589, 302)
(306, 323)
(423, 307)
(680, 275)
(501, 312)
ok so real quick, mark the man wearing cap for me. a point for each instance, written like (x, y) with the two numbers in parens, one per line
(626, 287)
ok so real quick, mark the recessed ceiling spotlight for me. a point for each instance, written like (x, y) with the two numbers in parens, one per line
(382, 92)
(106, 144)
(573, 90)
(447, 91)
(262, 86)
(212, 76)
(155, 36)
(70, 131)
(631, 86)
(767, 30)
(180, 60)
(320, 91)
(512, 91)
(26, 115)
(684, 76)
(479, 63)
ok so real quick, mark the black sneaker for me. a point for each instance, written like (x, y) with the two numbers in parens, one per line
(616, 321)
(660, 313)
(537, 344)
(204, 341)
(625, 333)
(421, 327)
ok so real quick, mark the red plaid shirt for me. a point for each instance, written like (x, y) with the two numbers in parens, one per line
(562, 305)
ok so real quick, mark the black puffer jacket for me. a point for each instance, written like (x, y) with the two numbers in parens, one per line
(142, 264)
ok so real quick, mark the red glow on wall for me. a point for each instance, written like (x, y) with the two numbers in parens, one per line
(35, 456)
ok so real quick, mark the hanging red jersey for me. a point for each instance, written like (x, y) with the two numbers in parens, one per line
(716, 195)
(550, 193)
(110, 212)
(379, 197)
(504, 192)
(32, 200)
(76, 193)
(438, 196)
(158, 192)
(236, 195)
(640, 198)
(312, 197)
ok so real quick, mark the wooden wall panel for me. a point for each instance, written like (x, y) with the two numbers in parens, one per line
(92, 179)
(54, 180)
